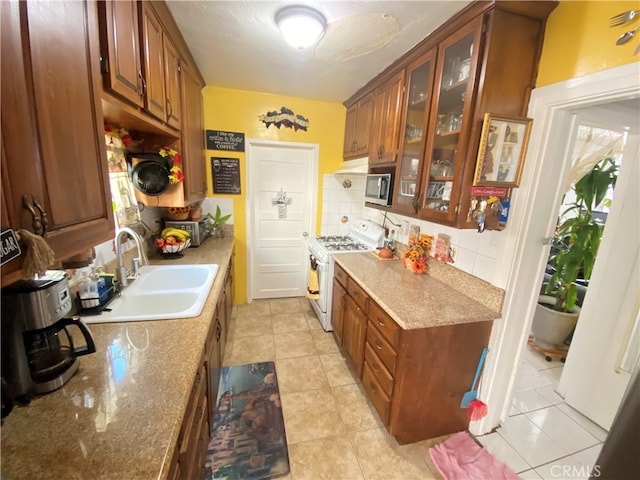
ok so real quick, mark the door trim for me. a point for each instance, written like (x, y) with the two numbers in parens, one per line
(312, 195)
(532, 219)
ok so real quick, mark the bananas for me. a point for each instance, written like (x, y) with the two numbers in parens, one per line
(178, 234)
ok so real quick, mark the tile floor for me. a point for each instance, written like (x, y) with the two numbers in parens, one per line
(544, 438)
(334, 433)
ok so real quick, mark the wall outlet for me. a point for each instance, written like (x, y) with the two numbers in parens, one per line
(404, 228)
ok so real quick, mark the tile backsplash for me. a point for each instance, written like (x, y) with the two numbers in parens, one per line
(343, 201)
(475, 253)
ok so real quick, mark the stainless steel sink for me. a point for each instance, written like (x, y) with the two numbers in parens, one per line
(161, 292)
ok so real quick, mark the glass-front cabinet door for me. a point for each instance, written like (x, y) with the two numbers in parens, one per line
(449, 124)
(414, 130)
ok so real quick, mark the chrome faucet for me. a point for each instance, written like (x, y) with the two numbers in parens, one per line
(121, 270)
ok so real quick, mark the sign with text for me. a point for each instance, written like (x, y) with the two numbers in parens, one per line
(226, 175)
(9, 246)
(219, 140)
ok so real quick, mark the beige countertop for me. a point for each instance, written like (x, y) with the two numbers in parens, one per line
(119, 416)
(444, 296)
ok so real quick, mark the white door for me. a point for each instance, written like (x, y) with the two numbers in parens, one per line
(281, 207)
(533, 218)
(595, 377)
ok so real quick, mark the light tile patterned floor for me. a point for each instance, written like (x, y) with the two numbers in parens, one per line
(544, 438)
(333, 431)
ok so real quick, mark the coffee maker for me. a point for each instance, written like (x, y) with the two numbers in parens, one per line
(38, 351)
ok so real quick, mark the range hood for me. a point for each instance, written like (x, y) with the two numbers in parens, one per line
(359, 166)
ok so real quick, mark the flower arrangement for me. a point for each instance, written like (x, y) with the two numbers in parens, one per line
(176, 175)
(417, 253)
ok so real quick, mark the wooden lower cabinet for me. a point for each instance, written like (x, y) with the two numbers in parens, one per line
(189, 456)
(415, 378)
(354, 332)
(191, 450)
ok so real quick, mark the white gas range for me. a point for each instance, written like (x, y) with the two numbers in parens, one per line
(364, 236)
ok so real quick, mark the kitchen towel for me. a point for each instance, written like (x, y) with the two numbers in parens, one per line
(461, 458)
(313, 290)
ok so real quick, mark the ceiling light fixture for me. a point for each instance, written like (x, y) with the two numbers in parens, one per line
(301, 26)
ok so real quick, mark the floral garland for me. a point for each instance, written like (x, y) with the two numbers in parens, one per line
(417, 253)
(285, 117)
(175, 173)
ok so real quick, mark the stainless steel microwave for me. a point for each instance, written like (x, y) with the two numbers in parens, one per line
(378, 188)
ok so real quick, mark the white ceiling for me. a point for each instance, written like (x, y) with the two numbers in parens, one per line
(236, 44)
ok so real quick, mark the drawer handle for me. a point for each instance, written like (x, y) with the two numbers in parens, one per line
(375, 368)
(380, 322)
(378, 346)
(373, 387)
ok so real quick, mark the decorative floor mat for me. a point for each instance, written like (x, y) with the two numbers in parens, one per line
(248, 440)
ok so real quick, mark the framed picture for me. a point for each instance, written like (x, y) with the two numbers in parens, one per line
(503, 146)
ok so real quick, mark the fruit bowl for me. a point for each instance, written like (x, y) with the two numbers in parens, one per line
(174, 248)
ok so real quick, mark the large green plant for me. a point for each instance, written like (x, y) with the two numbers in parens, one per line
(579, 235)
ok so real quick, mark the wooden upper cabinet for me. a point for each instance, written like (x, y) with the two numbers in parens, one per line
(120, 49)
(478, 72)
(172, 82)
(419, 88)
(193, 154)
(358, 128)
(154, 70)
(386, 121)
(58, 166)
(486, 61)
(458, 61)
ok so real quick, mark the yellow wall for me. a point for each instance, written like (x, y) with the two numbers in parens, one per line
(238, 111)
(578, 40)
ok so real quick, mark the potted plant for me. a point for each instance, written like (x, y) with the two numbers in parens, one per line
(216, 222)
(575, 247)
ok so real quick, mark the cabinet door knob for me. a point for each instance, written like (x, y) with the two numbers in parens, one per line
(143, 82)
(43, 216)
(37, 224)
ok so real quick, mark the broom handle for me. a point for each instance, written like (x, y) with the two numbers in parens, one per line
(480, 363)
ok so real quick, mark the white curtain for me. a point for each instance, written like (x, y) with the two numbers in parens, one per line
(595, 144)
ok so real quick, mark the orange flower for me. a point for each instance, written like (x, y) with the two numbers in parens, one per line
(419, 267)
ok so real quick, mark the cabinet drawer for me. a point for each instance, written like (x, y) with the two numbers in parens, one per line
(384, 323)
(380, 400)
(385, 379)
(340, 275)
(381, 347)
(358, 294)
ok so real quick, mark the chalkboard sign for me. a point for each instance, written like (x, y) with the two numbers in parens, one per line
(9, 247)
(226, 175)
(219, 140)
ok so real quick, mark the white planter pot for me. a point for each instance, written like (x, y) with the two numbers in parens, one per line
(550, 328)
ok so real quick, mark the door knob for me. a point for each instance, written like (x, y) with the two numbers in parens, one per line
(37, 223)
(305, 234)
